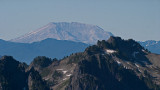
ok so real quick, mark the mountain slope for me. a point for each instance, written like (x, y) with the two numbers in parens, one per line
(121, 69)
(50, 47)
(115, 64)
(151, 45)
(66, 31)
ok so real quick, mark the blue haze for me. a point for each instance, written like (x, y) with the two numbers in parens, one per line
(137, 19)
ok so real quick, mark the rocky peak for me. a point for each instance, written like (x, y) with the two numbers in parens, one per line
(9, 61)
(126, 48)
(118, 43)
(40, 62)
(6, 58)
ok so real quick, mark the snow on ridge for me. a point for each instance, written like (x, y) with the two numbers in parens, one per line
(143, 50)
(136, 65)
(32, 32)
(139, 70)
(118, 62)
(125, 67)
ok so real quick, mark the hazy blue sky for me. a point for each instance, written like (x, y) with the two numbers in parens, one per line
(137, 19)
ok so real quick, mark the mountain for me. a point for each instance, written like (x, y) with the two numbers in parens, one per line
(115, 64)
(151, 45)
(52, 48)
(74, 31)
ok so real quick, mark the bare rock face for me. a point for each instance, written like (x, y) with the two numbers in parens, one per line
(12, 74)
(35, 81)
(15, 76)
(116, 64)
(74, 31)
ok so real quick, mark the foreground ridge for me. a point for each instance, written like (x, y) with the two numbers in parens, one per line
(115, 64)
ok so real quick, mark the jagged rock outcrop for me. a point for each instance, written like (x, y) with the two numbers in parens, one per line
(35, 81)
(14, 76)
(40, 62)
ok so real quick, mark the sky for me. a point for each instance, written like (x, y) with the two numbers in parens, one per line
(137, 19)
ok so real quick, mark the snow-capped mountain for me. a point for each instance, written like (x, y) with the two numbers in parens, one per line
(66, 31)
(152, 45)
(150, 42)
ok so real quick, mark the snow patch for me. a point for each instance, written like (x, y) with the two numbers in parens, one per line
(64, 72)
(137, 65)
(65, 79)
(125, 67)
(139, 70)
(143, 50)
(46, 78)
(110, 51)
(69, 75)
(118, 62)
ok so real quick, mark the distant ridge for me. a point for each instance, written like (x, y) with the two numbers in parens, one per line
(152, 45)
(73, 31)
(26, 52)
